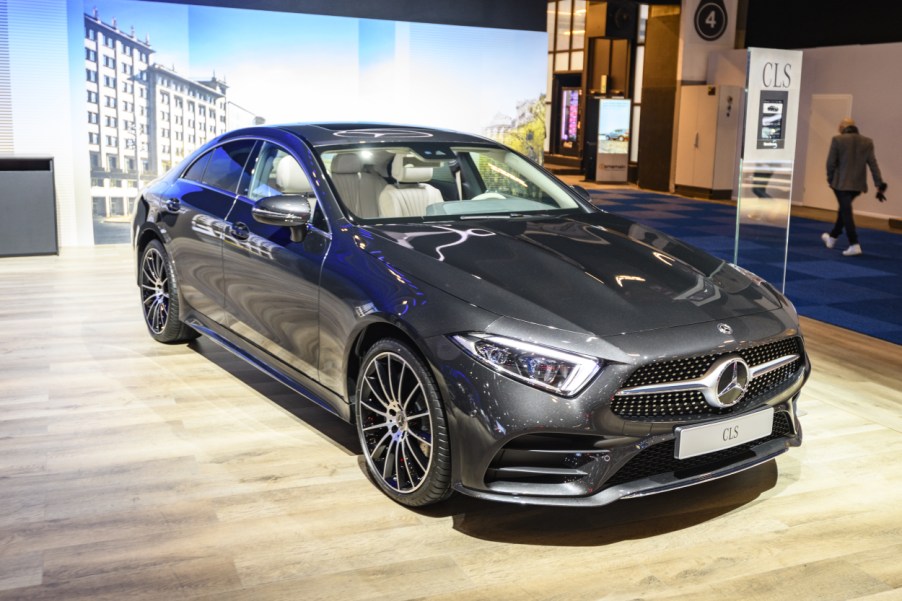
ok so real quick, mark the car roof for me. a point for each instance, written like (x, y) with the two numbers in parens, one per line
(335, 134)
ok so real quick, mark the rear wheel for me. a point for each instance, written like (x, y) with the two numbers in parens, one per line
(160, 296)
(401, 425)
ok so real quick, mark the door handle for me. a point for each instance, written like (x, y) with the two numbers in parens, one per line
(239, 231)
(172, 205)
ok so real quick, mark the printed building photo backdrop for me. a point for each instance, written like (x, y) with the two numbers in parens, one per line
(160, 80)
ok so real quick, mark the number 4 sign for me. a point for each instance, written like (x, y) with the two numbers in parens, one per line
(710, 19)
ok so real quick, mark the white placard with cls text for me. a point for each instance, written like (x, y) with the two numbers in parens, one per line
(772, 104)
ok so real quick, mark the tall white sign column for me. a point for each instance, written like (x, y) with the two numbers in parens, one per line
(773, 80)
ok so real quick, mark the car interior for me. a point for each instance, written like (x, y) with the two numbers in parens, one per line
(401, 183)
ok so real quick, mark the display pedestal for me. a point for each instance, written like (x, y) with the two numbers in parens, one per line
(28, 207)
(768, 156)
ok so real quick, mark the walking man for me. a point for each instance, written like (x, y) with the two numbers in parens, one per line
(850, 153)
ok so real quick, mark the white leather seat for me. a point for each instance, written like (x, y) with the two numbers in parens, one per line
(357, 189)
(410, 196)
(291, 179)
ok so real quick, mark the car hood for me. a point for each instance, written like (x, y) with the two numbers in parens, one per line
(595, 272)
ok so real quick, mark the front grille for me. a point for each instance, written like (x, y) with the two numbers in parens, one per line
(688, 405)
(659, 459)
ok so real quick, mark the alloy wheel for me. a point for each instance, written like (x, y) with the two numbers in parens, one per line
(395, 422)
(155, 290)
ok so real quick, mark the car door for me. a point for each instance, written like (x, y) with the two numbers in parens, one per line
(197, 204)
(271, 282)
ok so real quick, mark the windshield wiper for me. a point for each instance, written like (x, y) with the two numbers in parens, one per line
(530, 214)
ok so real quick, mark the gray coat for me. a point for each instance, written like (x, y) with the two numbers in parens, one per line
(849, 153)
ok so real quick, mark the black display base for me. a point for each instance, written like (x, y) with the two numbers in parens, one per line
(704, 193)
(560, 164)
(28, 207)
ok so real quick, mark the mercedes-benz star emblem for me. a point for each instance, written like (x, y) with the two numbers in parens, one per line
(724, 329)
(731, 383)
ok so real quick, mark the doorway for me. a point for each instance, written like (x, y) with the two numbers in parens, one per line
(827, 110)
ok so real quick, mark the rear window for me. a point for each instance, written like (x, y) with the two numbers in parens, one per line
(196, 171)
(226, 166)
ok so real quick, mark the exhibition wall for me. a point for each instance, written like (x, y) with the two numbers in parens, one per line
(861, 73)
(105, 86)
(868, 73)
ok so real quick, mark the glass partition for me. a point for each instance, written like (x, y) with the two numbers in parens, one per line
(762, 219)
(765, 172)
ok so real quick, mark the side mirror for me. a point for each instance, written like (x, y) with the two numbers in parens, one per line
(583, 192)
(287, 210)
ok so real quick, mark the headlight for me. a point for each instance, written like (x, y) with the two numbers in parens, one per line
(550, 369)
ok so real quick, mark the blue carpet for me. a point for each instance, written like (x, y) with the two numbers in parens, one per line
(861, 293)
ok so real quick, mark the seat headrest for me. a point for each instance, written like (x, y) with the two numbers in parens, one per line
(378, 163)
(347, 163)
(291, 178)
(408, 174)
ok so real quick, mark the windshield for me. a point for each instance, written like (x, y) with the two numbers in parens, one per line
(429, 182)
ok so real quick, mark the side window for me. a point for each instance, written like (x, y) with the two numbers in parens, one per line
(196, 171)
(277, 172)
(317, 219)
(226, 166)
(269, 179)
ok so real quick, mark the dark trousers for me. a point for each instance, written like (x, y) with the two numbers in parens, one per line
(844, 218)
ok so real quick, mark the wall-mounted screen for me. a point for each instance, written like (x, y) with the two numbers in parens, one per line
(569, 117)
(613, 139)
(164, 79)
(149, 82)
(614, 125)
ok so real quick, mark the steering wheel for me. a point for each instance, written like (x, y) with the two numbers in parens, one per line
(489, 196)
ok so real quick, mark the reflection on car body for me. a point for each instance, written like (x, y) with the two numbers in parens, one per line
(202, 224)
(484, 327)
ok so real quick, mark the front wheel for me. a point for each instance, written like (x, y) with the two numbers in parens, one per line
(401, 425)
(160, 296)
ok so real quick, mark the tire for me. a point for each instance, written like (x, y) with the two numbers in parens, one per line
(160, 296)
(401, 425)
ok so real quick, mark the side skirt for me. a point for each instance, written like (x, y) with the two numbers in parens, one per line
(288, 376)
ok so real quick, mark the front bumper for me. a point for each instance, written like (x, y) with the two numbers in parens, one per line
(614, 488)
(513, 443)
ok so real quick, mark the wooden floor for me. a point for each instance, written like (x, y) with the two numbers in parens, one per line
(133, 470)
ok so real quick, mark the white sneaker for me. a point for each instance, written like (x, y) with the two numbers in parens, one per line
(852, 251)
(829, 241)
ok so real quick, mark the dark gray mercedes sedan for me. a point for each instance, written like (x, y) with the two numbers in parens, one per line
(485, 327)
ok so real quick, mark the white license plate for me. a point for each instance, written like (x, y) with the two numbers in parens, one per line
(723, 434)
